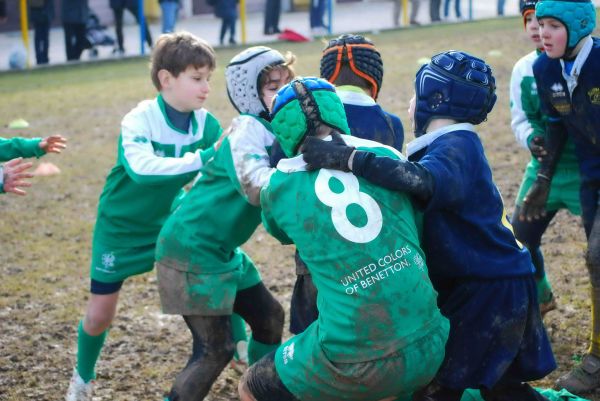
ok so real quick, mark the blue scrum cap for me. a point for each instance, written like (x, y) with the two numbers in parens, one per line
(453, 85)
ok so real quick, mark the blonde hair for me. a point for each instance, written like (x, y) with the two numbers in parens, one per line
(175, 52)
(287, 65)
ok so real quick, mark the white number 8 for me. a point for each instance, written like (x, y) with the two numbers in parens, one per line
(339, 203)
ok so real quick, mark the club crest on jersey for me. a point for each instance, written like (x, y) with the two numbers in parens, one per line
(108, 260)
(557, 90)
(594, 95)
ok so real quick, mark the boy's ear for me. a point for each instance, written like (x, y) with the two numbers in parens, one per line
(164, 77)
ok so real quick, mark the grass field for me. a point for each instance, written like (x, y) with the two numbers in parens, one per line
(45, 237)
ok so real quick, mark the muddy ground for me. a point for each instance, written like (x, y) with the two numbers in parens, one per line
(45, 237)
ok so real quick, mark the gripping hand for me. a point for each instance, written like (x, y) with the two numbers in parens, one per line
(333, 154)
(534, 203)
(537, 147)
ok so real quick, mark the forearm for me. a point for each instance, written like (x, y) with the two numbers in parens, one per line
(394, 174)
(20, 147)
(556, 137)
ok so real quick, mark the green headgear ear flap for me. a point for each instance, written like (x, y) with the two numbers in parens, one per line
(300, 107)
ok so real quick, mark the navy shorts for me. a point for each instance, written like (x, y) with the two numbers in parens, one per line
(496, 333)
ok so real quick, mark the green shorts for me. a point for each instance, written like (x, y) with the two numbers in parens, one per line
(195, 294)
(308, 374)
(111, 264)
(564, 191)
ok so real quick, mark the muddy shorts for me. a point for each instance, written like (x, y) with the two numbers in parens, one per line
(564, 190)
(307, 373)
(189, 294)
(111, 264)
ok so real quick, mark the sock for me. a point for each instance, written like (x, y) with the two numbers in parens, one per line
(544, 289)
(88, 351)
(595, 340)
(257, 350)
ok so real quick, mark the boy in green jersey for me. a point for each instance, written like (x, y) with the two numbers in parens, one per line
(379, 334)
(529, 124)
(13, 174)
(164, 142)
(203, 275)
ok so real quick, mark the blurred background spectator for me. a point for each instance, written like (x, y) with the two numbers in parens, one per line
(456, 9)
(118, 7)
(169, 9)
(74, 15)
(227, 11)
(272, 13)
(41, 14)
(414, 10)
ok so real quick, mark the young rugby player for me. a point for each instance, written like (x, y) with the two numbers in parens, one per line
(164, 142)
(203, 275)
(483, 275)
(379, 334)
(568, 84)
(528, 124)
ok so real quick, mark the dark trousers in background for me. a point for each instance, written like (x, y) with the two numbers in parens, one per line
(41, 33)
(75, 41)
(434, 10)
(228, 24)
(118, 13)
(317, 13)
(272, 12)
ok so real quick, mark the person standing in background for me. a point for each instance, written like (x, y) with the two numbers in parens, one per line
(317, 13)
(434, 10)
(501, 8)
(169, 9)
(74, 15)
(456, 9)
(272, 13)
(41, 14)
(227, 11)
(414, 10)
(118, 6)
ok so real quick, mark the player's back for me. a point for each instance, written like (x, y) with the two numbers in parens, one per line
(360, 243)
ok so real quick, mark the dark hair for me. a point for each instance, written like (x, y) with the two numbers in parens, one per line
(175, 52)
(348, 77)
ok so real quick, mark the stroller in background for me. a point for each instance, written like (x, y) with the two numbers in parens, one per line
(96, 34)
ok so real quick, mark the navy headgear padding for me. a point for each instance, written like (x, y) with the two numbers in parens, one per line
(453, 85)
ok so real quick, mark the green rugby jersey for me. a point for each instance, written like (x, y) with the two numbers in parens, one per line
(221, 210)
(154, 161)
(361, 245)
(527, 118)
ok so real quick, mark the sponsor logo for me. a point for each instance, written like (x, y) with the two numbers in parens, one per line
(288, 353)
(558, 90)
(594, 95)
(140, 139)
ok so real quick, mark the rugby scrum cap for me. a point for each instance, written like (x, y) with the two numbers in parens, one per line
(578, 16)
(300, 107)
(527, 7)
(359, 54)
(453, 85)
(242, 76)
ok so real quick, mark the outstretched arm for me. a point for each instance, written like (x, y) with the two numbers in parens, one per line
(394, 174)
